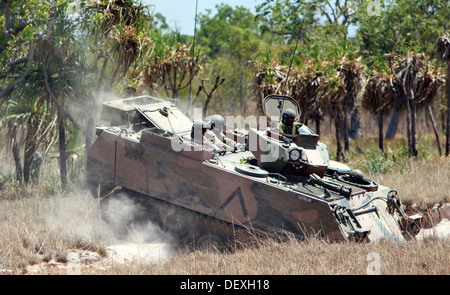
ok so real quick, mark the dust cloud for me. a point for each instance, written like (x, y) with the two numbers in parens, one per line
(80, 215)
(441, 231)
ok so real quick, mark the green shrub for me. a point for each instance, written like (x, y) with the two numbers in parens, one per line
(376, 162)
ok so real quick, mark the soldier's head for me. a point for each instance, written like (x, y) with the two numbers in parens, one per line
(198, 127)
(288, 117)
(217, 123)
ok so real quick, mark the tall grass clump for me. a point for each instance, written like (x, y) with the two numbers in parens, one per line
(376, 162)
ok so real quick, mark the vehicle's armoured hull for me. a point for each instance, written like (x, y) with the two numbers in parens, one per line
(201, 196)
(151, 171)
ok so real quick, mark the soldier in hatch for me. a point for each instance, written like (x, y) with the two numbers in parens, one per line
(217, 123)
(288, 126)
(200, 135)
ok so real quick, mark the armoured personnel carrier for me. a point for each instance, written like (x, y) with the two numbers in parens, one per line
(278, 184)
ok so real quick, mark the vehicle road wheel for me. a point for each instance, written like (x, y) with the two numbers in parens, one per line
(210, 242)
(179, 225)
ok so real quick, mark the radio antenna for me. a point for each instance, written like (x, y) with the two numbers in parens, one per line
(293, 54)
(193, 56)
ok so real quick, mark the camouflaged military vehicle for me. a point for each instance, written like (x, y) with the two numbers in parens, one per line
(279, 184)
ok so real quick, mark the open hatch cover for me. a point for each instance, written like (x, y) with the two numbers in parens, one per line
(274, 105)
(166, 117)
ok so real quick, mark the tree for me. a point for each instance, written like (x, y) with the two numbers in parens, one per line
(117, 35)
(229, 39)
(119, 26)
(48, 75)
(217, 82)
(63, 71)
(401, 26)
(380, 98)
(172, 72)
(217, 32)
(269, 75)
(443, 49)
(25, 105)
(284, 17)
(17, 22)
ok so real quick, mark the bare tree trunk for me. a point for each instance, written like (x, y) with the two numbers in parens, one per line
(30, 149)
(393, 124)
(447, 131)
(317, 126)
(340, 154)
(175, 89)
(102, 75)
(413, 151)
(355, 131)
(113, 78)
(16, 155)
(380, 133)
(206, 104)
(62, 149)
(219, 81)
(345, 133)
(433, 123)
(241, 91)
(408, 124)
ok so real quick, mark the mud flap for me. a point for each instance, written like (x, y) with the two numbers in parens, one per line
(360, 236)
(412, 224)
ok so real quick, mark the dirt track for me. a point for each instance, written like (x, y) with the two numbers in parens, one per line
(84, 262)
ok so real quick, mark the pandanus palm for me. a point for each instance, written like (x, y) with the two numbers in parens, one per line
(268, 80)
(309, 89)
(119, 33)
(173, 71)
(352, 72)
(28, 121)
(379, 98)
(416, 85)
(412, 83)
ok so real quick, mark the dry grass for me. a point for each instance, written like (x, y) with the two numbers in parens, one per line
(37, 229)
(424, 182)
(314, 257)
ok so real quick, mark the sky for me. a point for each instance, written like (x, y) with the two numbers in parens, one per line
(181, 13)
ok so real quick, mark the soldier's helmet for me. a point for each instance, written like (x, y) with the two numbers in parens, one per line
(288, 117)
(197, 127)
(217, 122)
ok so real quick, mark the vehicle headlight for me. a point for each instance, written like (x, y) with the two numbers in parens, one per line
(294, 154)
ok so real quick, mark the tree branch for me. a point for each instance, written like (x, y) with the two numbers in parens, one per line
(9, 28)
(22, 79)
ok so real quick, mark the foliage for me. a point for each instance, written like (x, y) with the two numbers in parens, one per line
(401, 26)
(331, 56)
